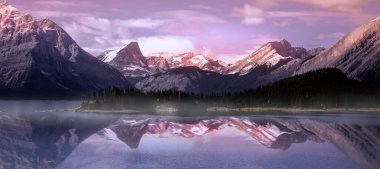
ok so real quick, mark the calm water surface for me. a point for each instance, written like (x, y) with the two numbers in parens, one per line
(31, 136)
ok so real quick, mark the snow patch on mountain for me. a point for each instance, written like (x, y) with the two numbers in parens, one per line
(199, 60)
(275, 59)
(4, 6)
(112, 54)
(271, 55)
(376, 19)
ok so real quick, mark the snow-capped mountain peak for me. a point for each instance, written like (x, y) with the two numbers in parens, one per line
(4, 6)
(199, 60)
(131, 61)
(273, 55)
(128, 59)
(191, 59)
(130, 50)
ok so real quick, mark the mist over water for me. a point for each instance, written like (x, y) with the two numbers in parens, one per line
(34, 134)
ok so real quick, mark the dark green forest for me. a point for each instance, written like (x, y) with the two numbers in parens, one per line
(325, 88)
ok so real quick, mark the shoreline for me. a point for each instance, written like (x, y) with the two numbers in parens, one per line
(291, 110)
(260, 110)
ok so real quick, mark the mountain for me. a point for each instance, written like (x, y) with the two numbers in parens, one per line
(272, 62)
(157, 64)
(316, 51)
(186, 79)
(132, 63)
(356, 54)
(273, 55)
(129, 60)
(191, 59)
(37, 57)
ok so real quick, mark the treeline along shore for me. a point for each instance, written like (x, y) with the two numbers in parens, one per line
(321, 89)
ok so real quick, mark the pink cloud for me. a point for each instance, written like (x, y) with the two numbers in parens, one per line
(186, 22)
(281, 23)
(201, 7)
(59, 14)
(230, 51)
(167, 43)
(252, 14)
(56, 3)
(190, 16)
(337, 35)
(98, 25)
(59, 4)
(340, 5)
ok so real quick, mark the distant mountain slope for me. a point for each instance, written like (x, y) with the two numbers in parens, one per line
(357, 55)
(187, 79)
(129, 60)
(37, 57)
(272, 55)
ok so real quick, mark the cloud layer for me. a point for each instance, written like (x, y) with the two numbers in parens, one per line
(225, 28)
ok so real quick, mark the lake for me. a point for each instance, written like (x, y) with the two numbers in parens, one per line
(34, 135)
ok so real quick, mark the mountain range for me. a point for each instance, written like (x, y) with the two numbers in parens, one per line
(197, 73)
(132, 63)
(38, 57)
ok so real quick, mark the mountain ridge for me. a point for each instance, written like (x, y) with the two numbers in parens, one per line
(356, 54)
(39, 58)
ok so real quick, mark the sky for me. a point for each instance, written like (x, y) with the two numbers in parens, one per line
(225, 29)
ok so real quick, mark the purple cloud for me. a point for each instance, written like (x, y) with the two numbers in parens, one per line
(227, 29)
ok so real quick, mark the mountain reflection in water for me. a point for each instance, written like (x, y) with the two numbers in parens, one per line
(89, 140)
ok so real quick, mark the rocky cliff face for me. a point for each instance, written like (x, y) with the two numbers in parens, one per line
(157, 64)
(356, 54)
(129, 60)
(273, 55)
(38, 57)
(316, 51)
